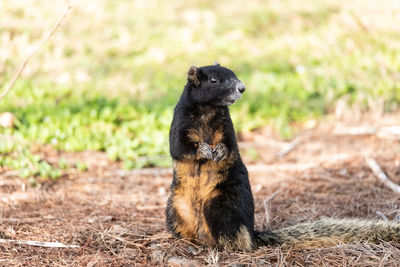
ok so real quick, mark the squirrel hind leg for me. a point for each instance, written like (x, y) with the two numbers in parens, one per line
(242, 240)
(230, 228)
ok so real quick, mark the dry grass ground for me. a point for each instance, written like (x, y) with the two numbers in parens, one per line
(117, 217)
(298, 60)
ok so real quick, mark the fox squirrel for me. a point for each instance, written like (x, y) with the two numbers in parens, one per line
(211, 199)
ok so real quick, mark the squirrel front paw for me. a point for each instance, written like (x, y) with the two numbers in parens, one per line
(204, 151)
(219, 152)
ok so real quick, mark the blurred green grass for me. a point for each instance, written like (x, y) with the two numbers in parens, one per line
(110, 76)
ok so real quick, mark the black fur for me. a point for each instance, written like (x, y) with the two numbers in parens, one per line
(211, 199)
(198, 100)
(209, 91)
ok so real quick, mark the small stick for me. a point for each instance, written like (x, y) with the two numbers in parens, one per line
(288, 148)
(376, 169)
(44, 40)
(267, 205)
(38, 243)
(380, 214)
(357, 130)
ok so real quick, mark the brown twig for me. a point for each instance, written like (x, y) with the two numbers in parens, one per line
(38, 243)
(267, 207)
(286, 150)
(44, 40)
(376, 169)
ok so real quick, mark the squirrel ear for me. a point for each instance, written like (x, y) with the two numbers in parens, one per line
(216, 63)
(193, 75)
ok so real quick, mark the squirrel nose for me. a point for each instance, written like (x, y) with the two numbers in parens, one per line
(241, 88)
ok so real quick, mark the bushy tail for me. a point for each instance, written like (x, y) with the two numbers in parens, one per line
(330, 232)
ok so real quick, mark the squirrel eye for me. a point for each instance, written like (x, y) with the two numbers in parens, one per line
(213, 79)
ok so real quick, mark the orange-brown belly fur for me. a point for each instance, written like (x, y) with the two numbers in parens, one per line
(196, 186)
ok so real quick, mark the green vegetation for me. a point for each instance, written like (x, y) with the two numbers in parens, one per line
(109, 78)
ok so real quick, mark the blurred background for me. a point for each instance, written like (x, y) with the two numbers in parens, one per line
(109, 77)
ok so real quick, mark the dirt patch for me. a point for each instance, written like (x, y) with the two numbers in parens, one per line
(117, 217)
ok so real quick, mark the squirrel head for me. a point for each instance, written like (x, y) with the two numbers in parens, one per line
(213, 85)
